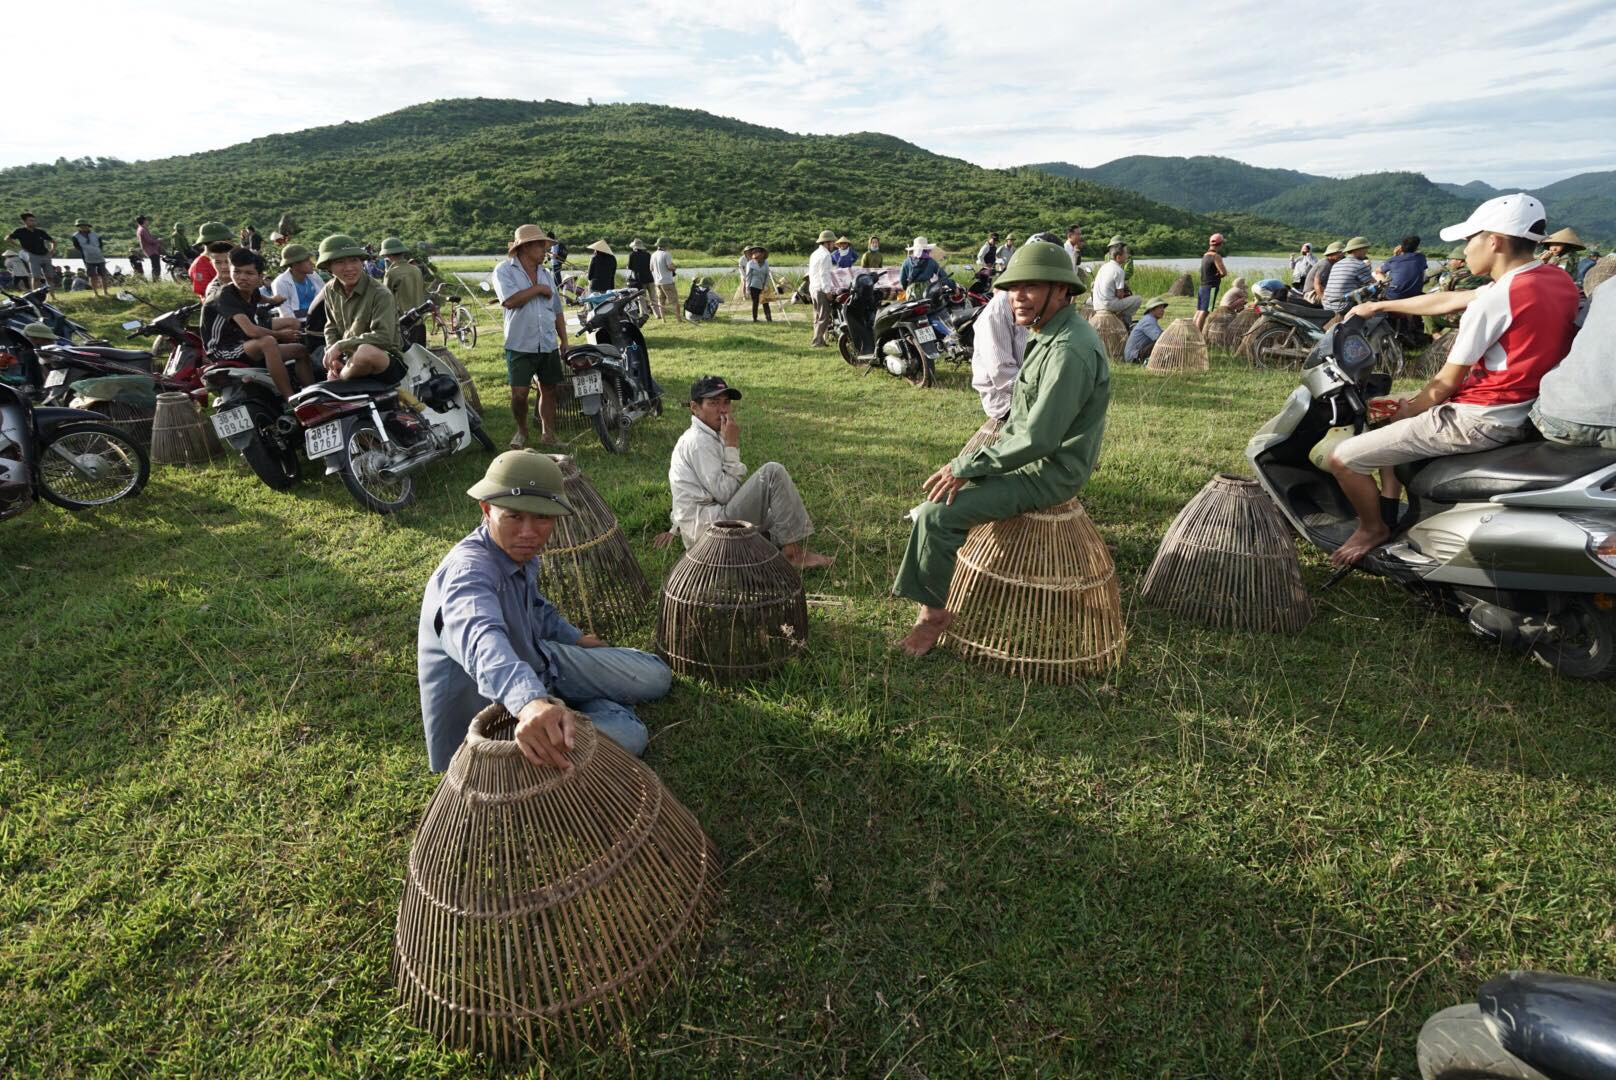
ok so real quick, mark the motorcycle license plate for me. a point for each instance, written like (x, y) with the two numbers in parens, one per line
(57, 377)
(323, 440)
(586, 385)
(925, 334)
(232, 422)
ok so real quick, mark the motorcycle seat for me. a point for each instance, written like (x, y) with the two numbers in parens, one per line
(1528, 466)
(1558, 1024)
(108, 352)
(340, 388)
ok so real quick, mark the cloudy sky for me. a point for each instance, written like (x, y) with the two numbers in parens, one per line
(1494, 90)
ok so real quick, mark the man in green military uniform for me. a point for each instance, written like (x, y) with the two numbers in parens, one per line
(403, 279)
(1561, 249)
(361, 328)
(1456, 278)
(179, 241)
(1045, 452)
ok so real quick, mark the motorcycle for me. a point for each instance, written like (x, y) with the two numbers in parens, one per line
(67, 365)
(907, 342)
(179, 266)
(186, 355)
(611, 375)
(1525, 1025)
(68, 456)
(953, 316)
(1290, 328)
(376, 436)
(1519, 541)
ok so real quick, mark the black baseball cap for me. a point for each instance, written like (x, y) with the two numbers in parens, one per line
(711, 386)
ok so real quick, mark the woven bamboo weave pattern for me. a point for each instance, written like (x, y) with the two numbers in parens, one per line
(1228, 560)
(544, 909)
(134, 421)
(1113, 333)
(986, 435)
(468, 386)
(1217, 329)
(1180, 348)
(1035, 597)
(1435, 356)
(180, 434)
(1599, 273)
(1183, 285)
(1239, 327)
(732, 608)
(590, 572)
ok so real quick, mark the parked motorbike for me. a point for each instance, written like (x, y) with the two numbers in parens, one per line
(953, 316)
(1525, 1025)
(376, 436)
(67, 456)
(33, 306)
(907, 343)
(66, 365)
(611, 374)
(1518, 541)
(1291, 327)
(173, 334)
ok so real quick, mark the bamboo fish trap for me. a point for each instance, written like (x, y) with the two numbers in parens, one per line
(732, 608)
(986, 435)
(1240, 331)
(1035, 597)
(468, 385)
(180, 434)
(1435, 356)
(1217, 329)
(1599, 273)
(1180, 348)
(134, 421)
(1113, 333)
(1183, 285)
(590, 571)
(1228, 561)
(543, 909)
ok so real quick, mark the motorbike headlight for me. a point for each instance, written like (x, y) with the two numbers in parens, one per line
(1601, 539)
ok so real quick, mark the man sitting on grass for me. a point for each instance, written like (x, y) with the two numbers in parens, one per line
(487, 634)
(361, 319)
(1045, 452)
(1512, 333)
(232, 330)
(1142, 338)
(709, 482)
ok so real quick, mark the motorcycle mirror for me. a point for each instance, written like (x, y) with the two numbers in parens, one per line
(132, 324)
(128, 297)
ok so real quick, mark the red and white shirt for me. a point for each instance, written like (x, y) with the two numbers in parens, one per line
(1511, 335)
(203, 272)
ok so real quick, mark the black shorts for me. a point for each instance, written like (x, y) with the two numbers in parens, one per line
(395, 371)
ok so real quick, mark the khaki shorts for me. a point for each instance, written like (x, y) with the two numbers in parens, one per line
(1571, 433)
(1438, 432)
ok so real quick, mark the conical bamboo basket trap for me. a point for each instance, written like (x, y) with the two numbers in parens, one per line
(134, 421)
(1217, 329)
(543, 909)
(1435, 356)
(1035, 597)
(1113, 333)
(468, 386)
(732, 608)
(1242, 331)
(1228, 560)
(181, 435)
(986, 435)
(1599, 273)
(570, 420)
(1180, 348)
(1183, 285)
(590, 572)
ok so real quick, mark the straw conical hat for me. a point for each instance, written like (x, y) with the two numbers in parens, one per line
(1568, 237)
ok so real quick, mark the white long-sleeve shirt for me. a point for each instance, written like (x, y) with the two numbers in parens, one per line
(996, 356)
(703, 475)
(820, 271)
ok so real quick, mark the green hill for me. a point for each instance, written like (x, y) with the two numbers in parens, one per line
(1202, 184)
(1381, 206)
(464, 173)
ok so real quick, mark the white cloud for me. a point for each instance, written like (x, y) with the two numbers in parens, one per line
(1493, 93)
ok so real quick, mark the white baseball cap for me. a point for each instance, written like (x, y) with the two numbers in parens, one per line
(1510, 215)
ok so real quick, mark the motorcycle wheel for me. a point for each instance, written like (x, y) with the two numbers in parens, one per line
(279, 469)
(610, 423)
(1586, 647)
(1389, 355)
(923, 373)
(1455, 1044)
(125, 467)
(368, 489)
(1276, 346)
(465, 327)
(480, 435)
(844, 345)
(180, 276)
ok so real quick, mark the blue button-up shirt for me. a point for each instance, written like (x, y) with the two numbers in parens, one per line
(483, 638)
(531, 327)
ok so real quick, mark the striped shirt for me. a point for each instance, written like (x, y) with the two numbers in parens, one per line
(1350, 274)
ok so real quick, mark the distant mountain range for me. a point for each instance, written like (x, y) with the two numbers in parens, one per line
(1383, 206)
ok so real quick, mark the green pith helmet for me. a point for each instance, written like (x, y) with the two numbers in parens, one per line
(1038, 260)
(1334, 248)
(81, 224)
(1155, 302)
(295, 253)
(662, 241)
(1355, 243)
(524, 480)
(1115, 242)
(38, 331)
(339, 246)
(826, 237)
(394, 246)
(214, 232)
(1457, 253)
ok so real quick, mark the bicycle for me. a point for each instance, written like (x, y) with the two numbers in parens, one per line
(453, 319)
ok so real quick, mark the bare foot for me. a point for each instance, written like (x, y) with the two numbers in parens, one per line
(931, 625)
(1360, 543)
(809, 560)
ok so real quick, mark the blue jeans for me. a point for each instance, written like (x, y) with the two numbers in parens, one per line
(605, 683)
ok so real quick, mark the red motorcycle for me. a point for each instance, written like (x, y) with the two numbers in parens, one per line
(66, 365)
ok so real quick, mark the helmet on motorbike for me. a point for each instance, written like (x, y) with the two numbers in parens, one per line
(338, 246)
(1037, 260)
(394, 246)
(38, 331)
(524, 480)
(215, 232)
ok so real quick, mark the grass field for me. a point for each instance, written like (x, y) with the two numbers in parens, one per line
(1243, 855)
